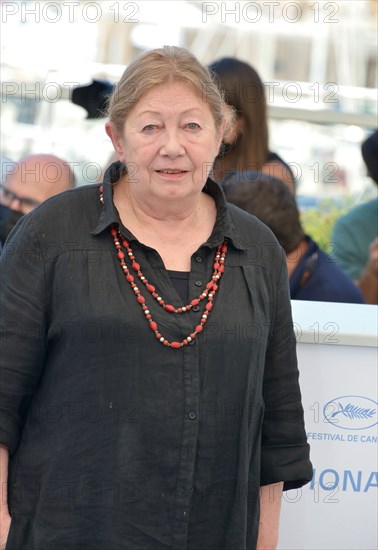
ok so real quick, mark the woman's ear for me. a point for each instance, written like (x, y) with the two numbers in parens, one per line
(230, 124)
(116, 140)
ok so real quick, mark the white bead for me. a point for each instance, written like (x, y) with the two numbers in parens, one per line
(142, 278)
(204, 316)
(211, 295)
(135, 288)
(161, 339)
(204, 294)
(146, 312)
(158, 298)
(130, 253)
(183, 309)
(189, 339)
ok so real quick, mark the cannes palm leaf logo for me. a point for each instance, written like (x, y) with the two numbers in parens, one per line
(353, 411)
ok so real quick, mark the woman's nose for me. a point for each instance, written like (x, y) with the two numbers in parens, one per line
(172, 144)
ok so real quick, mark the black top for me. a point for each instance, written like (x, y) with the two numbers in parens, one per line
(180, 280)
(117, 441)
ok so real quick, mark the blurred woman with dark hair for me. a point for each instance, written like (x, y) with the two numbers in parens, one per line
(246, 147)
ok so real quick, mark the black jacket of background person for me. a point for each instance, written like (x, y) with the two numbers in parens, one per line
(117, 441)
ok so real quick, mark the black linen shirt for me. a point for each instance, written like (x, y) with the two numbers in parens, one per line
(117, 441)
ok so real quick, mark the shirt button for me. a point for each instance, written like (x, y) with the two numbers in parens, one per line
(195, 308)
(192, 415)
(198, 283)
(198, 259)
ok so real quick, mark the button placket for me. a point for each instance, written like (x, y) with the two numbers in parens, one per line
(188, 448)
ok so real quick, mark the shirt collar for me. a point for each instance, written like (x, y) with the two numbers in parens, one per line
(224, 227)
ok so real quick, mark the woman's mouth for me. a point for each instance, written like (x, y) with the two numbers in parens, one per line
(168, 171)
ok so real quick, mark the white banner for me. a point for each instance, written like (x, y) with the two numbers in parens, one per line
(339, 508)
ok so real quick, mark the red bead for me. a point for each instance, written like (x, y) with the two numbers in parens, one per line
(210, 285)
(130, 278)
(150, 288)
(158, 335)
(153, 326)
(149, 316)
(175, 345)
(221, 269)
(209, 306)
(192, 335)
(195, 302)
(141, 300)
(179, 310)
(125, 243)
(135, 266)
(215, 287)
(216, 266)
(199, 328)
(121, 255)
(169, 308)
(224, 248)
(185, 342)
(165, 342)
(113, 232)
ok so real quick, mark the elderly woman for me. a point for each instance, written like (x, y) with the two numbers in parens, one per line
(149, 391)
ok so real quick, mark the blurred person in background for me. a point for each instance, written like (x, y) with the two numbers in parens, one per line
(355, 234)
(246, 147)
(28, 183)
(313, 275)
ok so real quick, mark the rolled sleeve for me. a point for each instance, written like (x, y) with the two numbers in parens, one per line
(285, 452)
(22, 328)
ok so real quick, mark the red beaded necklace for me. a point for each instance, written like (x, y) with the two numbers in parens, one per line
(208, 294)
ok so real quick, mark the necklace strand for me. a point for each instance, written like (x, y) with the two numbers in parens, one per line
(208, 294)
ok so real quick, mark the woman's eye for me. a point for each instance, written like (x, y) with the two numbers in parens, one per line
(192, 126)
(149, 128)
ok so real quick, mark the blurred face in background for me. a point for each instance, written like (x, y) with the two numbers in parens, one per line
(27, 184)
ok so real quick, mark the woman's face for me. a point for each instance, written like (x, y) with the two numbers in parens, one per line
(169, 143)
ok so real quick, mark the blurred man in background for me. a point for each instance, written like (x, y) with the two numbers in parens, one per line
(313, 275)
(27, 183)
